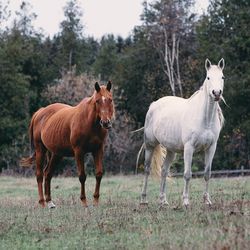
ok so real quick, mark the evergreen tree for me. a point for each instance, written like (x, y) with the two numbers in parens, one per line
(14, 97)
(68, 41)
(104, 66)
(21, 77)
(139, 76)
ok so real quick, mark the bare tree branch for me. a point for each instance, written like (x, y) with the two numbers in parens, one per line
(165, 28)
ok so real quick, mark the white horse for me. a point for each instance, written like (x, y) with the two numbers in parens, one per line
(188, 125)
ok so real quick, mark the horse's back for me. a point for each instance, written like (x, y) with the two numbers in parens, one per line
(45, 113)
(163, 121)
(167, 104)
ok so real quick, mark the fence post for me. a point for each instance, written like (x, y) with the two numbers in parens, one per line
(242, 170)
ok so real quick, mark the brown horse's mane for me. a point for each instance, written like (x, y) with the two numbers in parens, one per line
(90, 99)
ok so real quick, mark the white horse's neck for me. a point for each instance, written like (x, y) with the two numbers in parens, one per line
(208, 109)
(204, 108)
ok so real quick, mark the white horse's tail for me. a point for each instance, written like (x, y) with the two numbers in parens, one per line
(158, 157)
(137, 130)
(157, 160)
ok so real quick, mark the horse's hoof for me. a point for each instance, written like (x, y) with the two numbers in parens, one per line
(207, 200)
(84, 204)
(144, 203)
(186, 203)
(209, 204)
(95, 203)
(163, 203)
(51, 205)
(42, 203)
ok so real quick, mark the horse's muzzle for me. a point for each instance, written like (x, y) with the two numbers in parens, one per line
(106, 124)
(217, 95)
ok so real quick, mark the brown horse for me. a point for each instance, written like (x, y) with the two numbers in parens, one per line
(61, 130)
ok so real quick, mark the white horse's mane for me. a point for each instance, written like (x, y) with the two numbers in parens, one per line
(221, 116)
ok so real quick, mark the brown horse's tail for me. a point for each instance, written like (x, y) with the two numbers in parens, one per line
(28, 161)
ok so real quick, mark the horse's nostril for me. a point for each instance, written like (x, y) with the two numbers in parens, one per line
(106, 124)
(216, 93)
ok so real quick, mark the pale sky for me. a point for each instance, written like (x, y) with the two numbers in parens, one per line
(100, 17)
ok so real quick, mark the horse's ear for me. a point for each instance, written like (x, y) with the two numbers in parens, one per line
(207, 64)
(97, 87)
(221, 64)
(109, 85)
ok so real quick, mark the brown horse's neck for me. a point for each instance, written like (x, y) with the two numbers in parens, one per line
(87, 109)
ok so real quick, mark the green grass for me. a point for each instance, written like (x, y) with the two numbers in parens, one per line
(119, 222)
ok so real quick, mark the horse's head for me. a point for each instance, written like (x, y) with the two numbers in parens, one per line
(104, 104)
(215, 79)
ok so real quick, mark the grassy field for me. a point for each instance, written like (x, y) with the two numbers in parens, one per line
(119, 222)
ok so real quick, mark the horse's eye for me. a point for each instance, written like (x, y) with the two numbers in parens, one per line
(208, 78)
(223, 77)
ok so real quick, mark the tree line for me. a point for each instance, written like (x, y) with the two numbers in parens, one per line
(164, 56)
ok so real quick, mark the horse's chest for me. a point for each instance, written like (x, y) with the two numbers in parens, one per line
(93, 143)
(204, 139)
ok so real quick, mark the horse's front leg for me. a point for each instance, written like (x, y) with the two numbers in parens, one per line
(98, 156)
(79, 156)
(188, 156)
(209, 155)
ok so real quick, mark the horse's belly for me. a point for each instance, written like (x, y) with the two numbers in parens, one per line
(60, 149)
(170, 141)
(168, 133)
(173, 146)
(57, 143)
(67, 151)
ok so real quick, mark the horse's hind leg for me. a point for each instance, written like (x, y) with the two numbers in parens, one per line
(48, 173)
(164, 173)
(40, 159)
(147, 166)
(209, 154)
